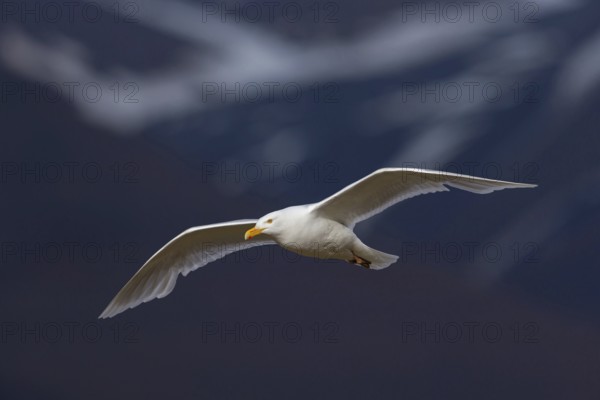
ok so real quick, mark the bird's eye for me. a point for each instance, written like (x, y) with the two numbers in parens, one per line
(269, 221)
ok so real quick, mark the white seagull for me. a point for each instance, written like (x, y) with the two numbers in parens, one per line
(321, 230)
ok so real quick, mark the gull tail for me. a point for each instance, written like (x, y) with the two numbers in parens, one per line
(381, 260)
(374, 259)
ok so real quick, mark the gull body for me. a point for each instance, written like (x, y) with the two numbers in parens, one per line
(300, 230)
(321, 230)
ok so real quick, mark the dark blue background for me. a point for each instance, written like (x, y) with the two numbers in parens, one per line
(382, 335)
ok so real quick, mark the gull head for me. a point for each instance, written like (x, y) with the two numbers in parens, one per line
(269, 224)
(279, 224)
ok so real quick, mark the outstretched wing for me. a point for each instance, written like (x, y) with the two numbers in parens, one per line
(190, 250)
(388, 186)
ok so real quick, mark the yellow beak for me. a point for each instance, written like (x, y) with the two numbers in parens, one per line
(250, 233)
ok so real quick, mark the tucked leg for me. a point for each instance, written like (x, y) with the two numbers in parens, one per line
(360, 261)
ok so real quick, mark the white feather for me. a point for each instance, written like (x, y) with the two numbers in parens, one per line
(187, 252)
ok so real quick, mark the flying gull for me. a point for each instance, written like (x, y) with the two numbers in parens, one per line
(321, 230)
